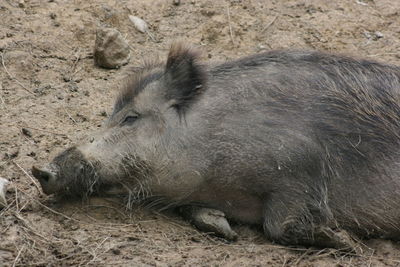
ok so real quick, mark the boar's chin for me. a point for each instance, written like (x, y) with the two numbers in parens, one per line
(112, 190)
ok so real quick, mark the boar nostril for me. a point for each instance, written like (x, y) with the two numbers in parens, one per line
(43, 176)
(47, 179)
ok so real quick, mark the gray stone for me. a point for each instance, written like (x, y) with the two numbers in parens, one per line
(111, 50)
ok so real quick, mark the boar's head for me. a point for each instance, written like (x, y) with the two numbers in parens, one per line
(139, 148)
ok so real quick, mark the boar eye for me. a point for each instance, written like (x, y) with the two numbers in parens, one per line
(130, 119)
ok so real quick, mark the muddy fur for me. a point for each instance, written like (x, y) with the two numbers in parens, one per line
(291, 140)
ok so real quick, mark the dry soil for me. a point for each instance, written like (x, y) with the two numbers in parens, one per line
(52, 95)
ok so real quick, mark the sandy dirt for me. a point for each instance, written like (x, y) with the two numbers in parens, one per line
(52, 95)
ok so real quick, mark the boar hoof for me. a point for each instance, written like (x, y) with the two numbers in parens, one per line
(338, 239)
(209, 220)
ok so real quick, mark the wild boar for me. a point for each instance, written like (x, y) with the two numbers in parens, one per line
(304, 143)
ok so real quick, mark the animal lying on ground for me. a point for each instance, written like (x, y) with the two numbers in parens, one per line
(304, 143)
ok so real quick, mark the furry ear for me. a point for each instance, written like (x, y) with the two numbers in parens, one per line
(185, 77)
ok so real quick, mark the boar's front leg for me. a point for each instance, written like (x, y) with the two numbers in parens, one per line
(209, 220)
(288, 220)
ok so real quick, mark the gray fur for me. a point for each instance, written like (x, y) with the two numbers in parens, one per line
(292, 140)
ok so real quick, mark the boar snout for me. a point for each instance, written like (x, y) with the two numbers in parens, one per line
(71, 174)
(47, 178)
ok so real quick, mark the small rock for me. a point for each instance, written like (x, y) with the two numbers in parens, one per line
(373, 35)
(111, 50)
(21, 3)
(31, 154)
(74, 227)
(177, 2)
(116, 251)
(42, 90)
(261, 47)
(11, 153)
(140, 24)
(26, 132)
(3, 189)
(73, 87)
(66, 78)
(378, 35)
(367, 35)
(195, 239)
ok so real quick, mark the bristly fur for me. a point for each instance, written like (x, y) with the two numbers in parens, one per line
(186, 77)
(138, 78)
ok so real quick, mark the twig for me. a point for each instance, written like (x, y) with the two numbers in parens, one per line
(25, 225)
(66, 111)
(151, 36)
(12, 77)
(16, 198)
(6, 249)
(75, 220)
(55, 212)
(2, 102)
(370, 259)
(73, 69)
(284, 261)
(30, 177)
(69, 115)
(19, 254)
(93, 253)
(384, 54)
(269, 24)
(46, 131)
(230, 26)
(361, 3)
(301, 257)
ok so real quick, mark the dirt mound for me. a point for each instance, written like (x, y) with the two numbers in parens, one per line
(51, 95)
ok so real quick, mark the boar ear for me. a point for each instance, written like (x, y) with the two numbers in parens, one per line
(185, 77)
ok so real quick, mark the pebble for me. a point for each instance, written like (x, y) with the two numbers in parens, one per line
(3, 189)
(139, 24)
(26, 132)
(21, 3)
(378, 35)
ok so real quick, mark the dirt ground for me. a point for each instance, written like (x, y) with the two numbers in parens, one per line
(51, 95)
